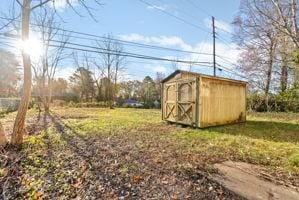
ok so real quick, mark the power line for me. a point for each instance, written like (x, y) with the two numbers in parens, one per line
(226, 60)
(225, 42)
(124, 41)
(146, 58)
(183, 11)
(174, 16)
(103, 38)
(127, 54)
(231, 71)
(201, 9)
(223, 30)
(115, 52)
(132, 61)
(219, 37)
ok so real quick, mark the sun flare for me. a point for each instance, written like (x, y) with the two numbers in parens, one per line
(32, 47)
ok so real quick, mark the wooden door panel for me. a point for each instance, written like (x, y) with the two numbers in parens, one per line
(170, 102)
(186, 98)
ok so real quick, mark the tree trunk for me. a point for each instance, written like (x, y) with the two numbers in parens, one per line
(110, 95)
(18, 129)
(44, 92)
(269, 74)
(48, 96)
(296, 78)
(284, 77)
(294, 23)
(3, 140)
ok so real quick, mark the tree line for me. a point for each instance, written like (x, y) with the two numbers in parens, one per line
(81, 87)
(267, 32)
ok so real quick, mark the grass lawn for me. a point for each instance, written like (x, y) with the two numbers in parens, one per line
(131, 153)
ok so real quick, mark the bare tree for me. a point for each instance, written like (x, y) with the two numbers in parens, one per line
(18, 129)
(108, 60)
(285, 60)
(258, 36)
(158, 80)
(27, 6)
(85, 76)
(46, 67)
(111, 64)
(284, 17)
(119, 66)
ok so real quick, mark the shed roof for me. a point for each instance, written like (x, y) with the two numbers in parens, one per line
(198, 74)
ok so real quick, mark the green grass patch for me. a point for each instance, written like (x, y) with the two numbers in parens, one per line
(91, 120)
(224, 146)
(57, 155)
(267, 130)
(269, 139)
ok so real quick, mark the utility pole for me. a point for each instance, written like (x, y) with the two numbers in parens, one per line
(214, 45)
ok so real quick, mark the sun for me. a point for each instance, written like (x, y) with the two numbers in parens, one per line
(32, 46)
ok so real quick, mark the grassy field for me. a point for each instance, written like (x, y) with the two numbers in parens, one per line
(132, 153)
(270, 139)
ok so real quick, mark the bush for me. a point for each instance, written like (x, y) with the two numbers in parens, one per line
(287, 101)
(255, 102)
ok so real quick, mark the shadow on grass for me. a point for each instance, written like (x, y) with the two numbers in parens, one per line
(98, 164)
(13, 159)
(271, 131)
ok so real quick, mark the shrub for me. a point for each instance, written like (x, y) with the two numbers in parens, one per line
(287, 101)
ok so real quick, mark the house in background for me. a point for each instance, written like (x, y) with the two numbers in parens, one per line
(132, 103)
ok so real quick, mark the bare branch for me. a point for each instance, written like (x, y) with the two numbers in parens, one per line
(19, 3)
(40, 4)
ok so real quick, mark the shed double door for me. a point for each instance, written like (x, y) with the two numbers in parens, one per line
(180, 102)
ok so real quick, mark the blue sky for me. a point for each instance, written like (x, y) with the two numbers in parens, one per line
(135, 21)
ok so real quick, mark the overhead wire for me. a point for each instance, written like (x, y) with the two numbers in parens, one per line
(199, 8)
(103, 38)
(136, 44)
(179, 10)
(231, 71)
(173, 16)
(99, 50)
(115, 52)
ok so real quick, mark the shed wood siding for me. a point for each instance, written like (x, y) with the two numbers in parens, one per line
(222, 102)
(201, 100)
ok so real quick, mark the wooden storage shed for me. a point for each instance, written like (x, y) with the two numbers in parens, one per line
(201, 101)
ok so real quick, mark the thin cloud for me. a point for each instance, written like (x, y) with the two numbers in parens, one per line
(220, 25)
(167, 41)
(153, 7)
(159, 68)
(155, 67)
(229, 53)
